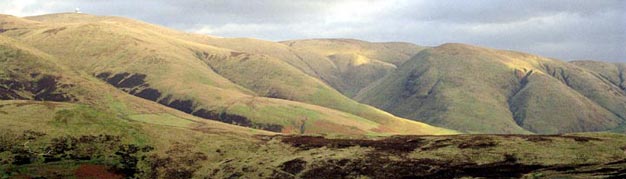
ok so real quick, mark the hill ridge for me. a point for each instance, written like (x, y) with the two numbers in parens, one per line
(495, 70)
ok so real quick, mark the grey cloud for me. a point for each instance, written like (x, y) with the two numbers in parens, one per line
(565, 29)
(499, 11)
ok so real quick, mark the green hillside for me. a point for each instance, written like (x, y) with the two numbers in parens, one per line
(481, 90)
(344, 64)
(612, 73)
(357, 63)
(284, 72)
(164, 66)
(32, 78)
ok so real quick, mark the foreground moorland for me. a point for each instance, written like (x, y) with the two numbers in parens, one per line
(176, 150)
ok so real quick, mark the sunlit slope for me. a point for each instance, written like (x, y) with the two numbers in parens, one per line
(345, 64)
(30, 79)
(483, 90)
(394, 53)
(274, 74)
(165, 67)
(274, 78)
(357, 63)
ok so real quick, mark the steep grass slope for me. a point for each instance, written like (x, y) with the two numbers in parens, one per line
(166, 67)
(481, 90)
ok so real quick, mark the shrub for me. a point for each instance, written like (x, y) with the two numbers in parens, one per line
(180, 162)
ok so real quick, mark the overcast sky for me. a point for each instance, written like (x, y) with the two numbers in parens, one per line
(564, 29)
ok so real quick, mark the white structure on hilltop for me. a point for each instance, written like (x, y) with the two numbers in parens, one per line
(77, 10)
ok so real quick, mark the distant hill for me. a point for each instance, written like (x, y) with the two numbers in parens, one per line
(481, 90)
(347, 65)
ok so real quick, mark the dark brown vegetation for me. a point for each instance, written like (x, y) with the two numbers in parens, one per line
(95, 171)
(396, 144)
(54, 30)
(135, 84)
(410, 143)
(547, 138)
(294, 166)
(477, 142)
(380, 165)
(2, 30)
(41, 88)
(96, 156)
(179, 162)
(383, 161)
(76, 149)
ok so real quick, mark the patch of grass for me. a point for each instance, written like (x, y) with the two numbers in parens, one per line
(163, 119)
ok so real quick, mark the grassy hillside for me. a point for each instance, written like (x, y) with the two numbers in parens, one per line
(56, 121)
(357, 63)
(344, 64)
(394, 53)
(481, 90)
(612, 73)
(166, 67)
(279, 72)
(296, 86)
(271, 77)
(31, 78)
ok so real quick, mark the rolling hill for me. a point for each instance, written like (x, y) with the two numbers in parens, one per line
(212, 82)
(32, 78)
(347, 65)
(482, 90)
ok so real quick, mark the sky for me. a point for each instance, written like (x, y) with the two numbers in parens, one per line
(563, 29)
